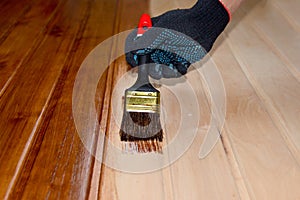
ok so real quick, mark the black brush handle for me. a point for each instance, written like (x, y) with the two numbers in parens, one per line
(142, 83)
(143, 77)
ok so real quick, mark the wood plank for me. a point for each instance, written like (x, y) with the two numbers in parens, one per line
(115, 184)
(59, 162)
(24, 36)
(261, 151)
(208, 178)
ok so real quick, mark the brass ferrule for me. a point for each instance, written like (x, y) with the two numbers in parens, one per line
(140, 101)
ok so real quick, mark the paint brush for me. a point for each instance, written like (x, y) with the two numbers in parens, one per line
(141, 126)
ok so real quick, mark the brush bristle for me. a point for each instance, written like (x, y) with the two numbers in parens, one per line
(142, 130)
(142, 146)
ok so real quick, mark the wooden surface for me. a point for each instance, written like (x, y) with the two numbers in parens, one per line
(43, 44)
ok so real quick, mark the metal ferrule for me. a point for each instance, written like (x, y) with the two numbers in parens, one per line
(140, 101)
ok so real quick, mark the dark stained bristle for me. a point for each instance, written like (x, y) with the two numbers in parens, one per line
(141, 146)
(142, 130)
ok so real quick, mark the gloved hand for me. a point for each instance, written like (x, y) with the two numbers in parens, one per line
(181, 38)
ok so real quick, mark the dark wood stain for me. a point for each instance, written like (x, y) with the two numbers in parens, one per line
(53, 38)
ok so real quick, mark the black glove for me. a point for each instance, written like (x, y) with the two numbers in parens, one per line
(181, 38)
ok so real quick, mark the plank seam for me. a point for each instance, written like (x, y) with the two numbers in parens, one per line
(235, 167)
(242, 188)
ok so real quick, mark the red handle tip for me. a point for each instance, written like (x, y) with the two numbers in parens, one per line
(145, 23)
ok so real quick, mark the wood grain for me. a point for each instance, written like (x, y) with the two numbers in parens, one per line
(257, 144)
(280, 33)
(42, 46)
(278, 89)
(11, 12)
(16, 47)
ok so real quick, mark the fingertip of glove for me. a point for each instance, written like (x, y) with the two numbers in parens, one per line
(130, 59)
(155, 71)
(182, 67)
(170, 72)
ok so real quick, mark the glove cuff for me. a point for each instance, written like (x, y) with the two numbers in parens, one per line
(226, 8)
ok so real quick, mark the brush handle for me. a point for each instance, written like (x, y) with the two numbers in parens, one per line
(145, 24)
(142, 83)
(143, 77)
